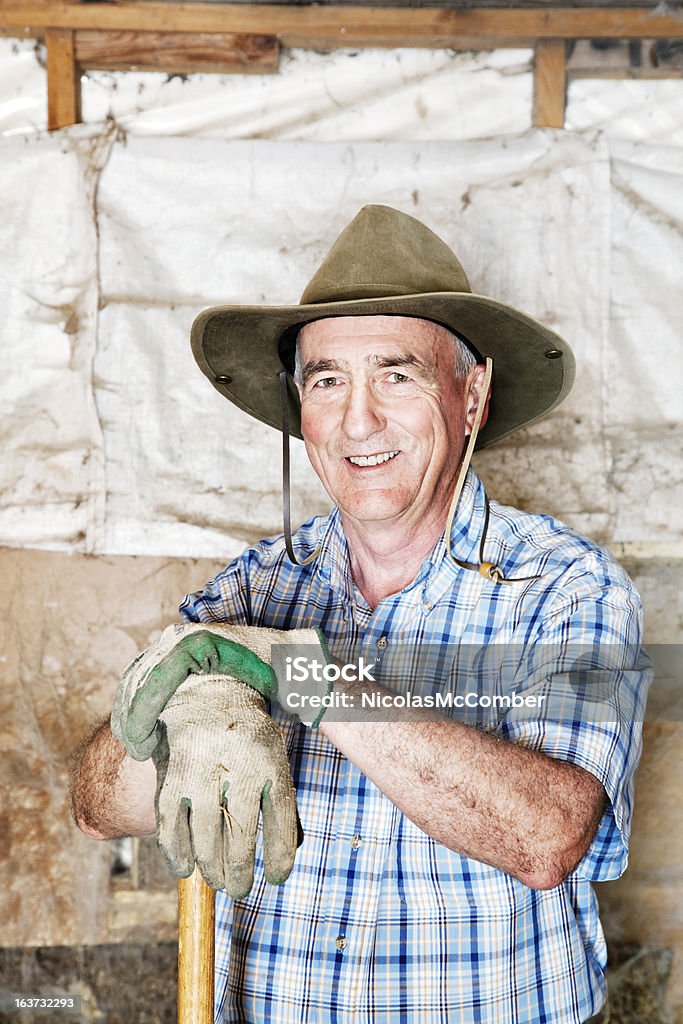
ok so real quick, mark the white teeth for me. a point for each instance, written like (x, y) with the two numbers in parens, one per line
(371, 460)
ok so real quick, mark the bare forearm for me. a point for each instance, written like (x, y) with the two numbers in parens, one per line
(111, 794)
(526, 814)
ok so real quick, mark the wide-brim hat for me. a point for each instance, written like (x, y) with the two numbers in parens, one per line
(386, 263)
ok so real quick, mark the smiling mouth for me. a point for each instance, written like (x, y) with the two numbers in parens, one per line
(372, 460)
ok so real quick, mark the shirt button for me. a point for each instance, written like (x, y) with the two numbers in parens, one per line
(356, 841)
(382, 643)
(340, 942)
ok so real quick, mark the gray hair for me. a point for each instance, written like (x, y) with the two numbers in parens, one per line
(465, 359)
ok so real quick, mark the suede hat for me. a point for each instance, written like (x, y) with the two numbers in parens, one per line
(386, 263)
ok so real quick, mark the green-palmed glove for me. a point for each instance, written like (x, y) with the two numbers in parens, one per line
(221, 762)
(241, 652)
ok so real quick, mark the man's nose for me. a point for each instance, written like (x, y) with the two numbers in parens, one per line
(362, 415)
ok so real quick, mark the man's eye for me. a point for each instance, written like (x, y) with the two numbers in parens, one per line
(325, 382)
(398, 378)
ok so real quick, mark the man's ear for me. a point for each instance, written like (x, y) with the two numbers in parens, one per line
(475, 382)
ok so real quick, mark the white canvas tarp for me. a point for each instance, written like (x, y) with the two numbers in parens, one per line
(114, 442)
(51, 473)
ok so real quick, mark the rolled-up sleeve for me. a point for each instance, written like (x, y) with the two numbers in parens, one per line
(591, 674)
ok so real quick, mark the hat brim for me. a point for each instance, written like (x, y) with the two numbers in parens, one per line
(533, 368)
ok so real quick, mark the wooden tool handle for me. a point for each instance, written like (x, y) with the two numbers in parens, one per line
(195, 950)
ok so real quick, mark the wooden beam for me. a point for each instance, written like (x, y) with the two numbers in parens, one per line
(24, 33)
(336, 25)
(177, 52)
(63, 80)
(550, 83)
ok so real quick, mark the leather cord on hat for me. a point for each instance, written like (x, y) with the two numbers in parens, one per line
(489, 570)
(286, 477)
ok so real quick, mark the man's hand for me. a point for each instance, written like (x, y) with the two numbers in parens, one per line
(241, 652)
(220, 762)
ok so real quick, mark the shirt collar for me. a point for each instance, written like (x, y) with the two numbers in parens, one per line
(333, 560)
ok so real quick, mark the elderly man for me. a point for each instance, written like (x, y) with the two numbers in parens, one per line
(446, 868)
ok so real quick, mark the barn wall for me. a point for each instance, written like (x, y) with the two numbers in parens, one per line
(126, 480)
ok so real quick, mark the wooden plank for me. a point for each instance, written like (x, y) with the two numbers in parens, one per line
(177, 52)
(336, 25)
(25, 33)
(63, 80)
(550, 83)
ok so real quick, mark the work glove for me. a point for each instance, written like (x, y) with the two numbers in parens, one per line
(220, 760)
(242, 652)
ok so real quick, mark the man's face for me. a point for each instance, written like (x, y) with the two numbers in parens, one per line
(383, 415)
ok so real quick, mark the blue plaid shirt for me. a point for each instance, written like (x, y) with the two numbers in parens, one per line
(379, 924)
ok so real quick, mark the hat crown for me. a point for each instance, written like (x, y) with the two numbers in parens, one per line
(381, 253)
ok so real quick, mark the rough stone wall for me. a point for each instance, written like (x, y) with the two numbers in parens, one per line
(69, 625)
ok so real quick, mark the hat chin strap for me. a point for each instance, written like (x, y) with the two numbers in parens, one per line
(467, 458)
(286, 477)
(489, 570)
